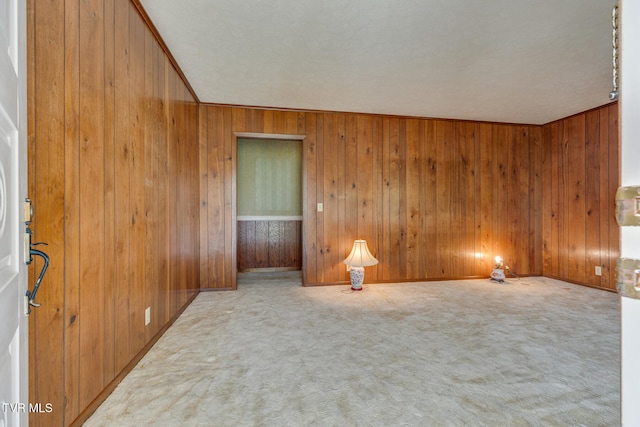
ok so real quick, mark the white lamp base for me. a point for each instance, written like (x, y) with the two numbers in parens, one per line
(498, 275)
(356, 274)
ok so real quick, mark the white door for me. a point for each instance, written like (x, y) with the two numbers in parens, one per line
(14, 360)
(630, 174)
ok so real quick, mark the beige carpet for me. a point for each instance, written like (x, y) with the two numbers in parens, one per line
(534, 352)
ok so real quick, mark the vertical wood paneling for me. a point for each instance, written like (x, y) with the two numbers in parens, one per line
(319, 237)
(122, 176)
(267, 122)
(547, 211)
(552, 185)
(453, 170)
(384, 249)
(48, 186)
(402, 198)
(279, 122)
(576, 213)
(215, 200)
(350, 187)
(521, 200)
(254, 121)
(395, 231)
(364, 186)
(614, 182)
(150, 183)
(292, 244)
(435, 198)
(329, 253)
(189, 206)
(592, 194)
(378, 185)
(337, 236)
(274, 242)
(466, 193)
(501, 137)
(581, 174)
(164, 284)
(102, 188)
(117, 145)
(229, 200)
(174, 189)
(605, 203)
(444, 148)
(413, 211)
(109, 189)
(203, 169)
(72, 211)
(486, 193)
(269, 244)
(348, 131)
(246, 244)
(92, 221)
(136, 195)
(309, 177)
(422, 249)
(430, 199)
(512, 228)
(252, 254)
(565, 195)
(536, 158)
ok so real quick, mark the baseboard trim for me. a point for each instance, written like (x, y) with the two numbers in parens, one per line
(429, 279)
(575, 282)
(268, 269)
(216, 289)
(91, 408)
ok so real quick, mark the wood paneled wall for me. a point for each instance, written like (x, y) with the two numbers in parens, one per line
(113, 156)
(271, 244)
(581, 174)
(116, 141)
(434, 199)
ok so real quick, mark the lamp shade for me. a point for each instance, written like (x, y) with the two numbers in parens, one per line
(360, 255)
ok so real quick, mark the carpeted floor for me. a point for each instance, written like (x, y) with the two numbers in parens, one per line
(533, 352)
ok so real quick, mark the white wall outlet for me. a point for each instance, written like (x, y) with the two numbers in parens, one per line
(320, 207)
(598, 270)
(147, 316)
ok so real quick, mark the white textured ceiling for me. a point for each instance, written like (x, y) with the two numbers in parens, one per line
(518, 61)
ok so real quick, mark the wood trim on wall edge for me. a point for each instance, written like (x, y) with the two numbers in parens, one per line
(143, 14)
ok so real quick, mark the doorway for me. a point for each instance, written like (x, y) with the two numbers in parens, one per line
(269, 221)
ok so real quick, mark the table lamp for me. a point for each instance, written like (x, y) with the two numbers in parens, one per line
(358, 259)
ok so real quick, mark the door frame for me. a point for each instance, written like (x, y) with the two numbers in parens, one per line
(15, 410)
(234, 196)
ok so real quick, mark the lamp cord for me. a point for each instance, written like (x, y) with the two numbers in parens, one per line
(508, 270)
(351, 291)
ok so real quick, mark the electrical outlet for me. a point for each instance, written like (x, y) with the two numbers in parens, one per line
(598, 270)
(320, 207)
(147, 316)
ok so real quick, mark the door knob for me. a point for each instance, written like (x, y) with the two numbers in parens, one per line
(30, 296)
